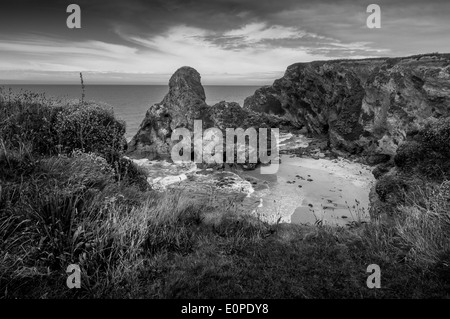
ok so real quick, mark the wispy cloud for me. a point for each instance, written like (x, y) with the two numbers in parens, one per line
(257, 31)
(234, 42)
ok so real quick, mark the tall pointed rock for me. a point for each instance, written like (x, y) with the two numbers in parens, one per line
(184, 103)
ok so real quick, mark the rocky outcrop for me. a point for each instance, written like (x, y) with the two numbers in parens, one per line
(184, 103)
(364, 107)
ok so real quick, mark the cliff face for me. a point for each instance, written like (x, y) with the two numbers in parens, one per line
(363, 106)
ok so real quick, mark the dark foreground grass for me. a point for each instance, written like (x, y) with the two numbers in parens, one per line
(62, 205)
(170, 246)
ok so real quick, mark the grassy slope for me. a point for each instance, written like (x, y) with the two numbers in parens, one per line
(60, 205)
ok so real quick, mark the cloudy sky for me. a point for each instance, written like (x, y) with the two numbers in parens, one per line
(228, 41)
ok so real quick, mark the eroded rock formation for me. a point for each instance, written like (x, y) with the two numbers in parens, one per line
(366, 106)
(184, 103)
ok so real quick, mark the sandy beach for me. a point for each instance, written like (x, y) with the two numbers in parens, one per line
(306, 190)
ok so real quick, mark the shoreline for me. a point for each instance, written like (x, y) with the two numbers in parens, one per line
(305, 190)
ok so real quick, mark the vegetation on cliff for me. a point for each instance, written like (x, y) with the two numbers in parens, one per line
(415, 194)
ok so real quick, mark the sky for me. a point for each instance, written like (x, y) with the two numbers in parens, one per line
(230, 42)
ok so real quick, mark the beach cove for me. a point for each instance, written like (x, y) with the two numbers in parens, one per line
(304, 190)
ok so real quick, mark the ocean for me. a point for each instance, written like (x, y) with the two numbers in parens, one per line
(130, 102)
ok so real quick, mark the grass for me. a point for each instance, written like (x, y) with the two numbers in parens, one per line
(77, 206)
(424, 225)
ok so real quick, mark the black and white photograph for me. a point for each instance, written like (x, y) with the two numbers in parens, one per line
(225, 154)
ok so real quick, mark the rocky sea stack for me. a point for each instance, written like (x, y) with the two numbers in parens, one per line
(364, 107)
(184, 103)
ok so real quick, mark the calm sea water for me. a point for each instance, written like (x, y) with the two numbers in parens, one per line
(130, 102)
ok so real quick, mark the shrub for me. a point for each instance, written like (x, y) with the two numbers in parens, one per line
(409, 154)
(27, 118)
(51, 126)
(390, 188)
(436, 135)
(131, 174)
(90, 127)
(435, 166)
(428, 153)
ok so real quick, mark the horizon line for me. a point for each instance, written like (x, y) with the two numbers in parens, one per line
(117, 84)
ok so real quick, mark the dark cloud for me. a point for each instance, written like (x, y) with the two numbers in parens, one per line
(326, 29)
(102, 19)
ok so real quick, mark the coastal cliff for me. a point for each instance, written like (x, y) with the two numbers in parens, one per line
(364, 107)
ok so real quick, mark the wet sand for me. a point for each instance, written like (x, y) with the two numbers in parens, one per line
(306, 190)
